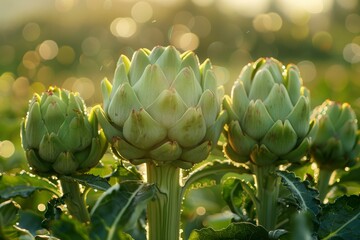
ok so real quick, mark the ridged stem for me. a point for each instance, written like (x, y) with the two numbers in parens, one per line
(163, 213)
(74, 200)
(323, 183)
(267, 187)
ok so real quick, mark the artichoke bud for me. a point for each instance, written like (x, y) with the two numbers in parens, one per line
(335, 136)
(269, 114)
(160, 105)
(58, 135)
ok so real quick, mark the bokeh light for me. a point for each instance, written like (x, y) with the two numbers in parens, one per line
(308, 71)
(85, 87)
(48, 49)
(322, 40)
(270, 22)
(31, 59)
(351, 53)
(7, 149)
(64, 5)
(142, 12)
(123, 27)
(31, 31)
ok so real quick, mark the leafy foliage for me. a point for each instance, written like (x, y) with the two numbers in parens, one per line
(239, 231)
(305, 196)
(119, 209)
(237, 199)
(341, 219)
(67, 228)
(211, 173)
(89, 180)
(24, 184)
(8, 218)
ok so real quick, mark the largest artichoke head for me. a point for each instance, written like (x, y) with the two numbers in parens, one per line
(269, 115)
(162, 107)
(58, 135)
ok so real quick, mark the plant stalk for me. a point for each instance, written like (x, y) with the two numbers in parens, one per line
(267, 186)
(323, 183)
(75, 200)
(164, 211)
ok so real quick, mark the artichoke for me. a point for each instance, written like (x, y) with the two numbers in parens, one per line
(163, 107)
(58, 136)
(269, 112)
(335, 136)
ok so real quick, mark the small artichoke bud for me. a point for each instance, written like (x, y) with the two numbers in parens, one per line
(269, 115)
(335, 136)
(58, 136)
(162, 107)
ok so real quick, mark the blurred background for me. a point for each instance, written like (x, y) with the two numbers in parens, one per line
(75, 44)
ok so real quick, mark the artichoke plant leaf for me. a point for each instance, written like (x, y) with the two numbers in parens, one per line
(211, 173)
(305, 196)
(341, 219)
(24, 184)
(235, 193)
(89, 180)
(9, 216)
(121, 208)
(67, 228)
(239, 231)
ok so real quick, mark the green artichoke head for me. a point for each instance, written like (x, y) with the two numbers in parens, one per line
(269, 114)
(58, 136)
(335, 137)
(162, 107)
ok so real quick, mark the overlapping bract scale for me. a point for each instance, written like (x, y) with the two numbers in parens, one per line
(58, 136)
(162, 106)
(269, 114)
(336, 138)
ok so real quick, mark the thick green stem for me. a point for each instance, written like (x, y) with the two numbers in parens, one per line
(268, 184)
(164, 211)
(323, 183)
(74, 200)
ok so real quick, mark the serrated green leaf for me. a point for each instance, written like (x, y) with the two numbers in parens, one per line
(53, 211)
(305, 196)
(119, 208)
(211, 173)
(89, 180)
(67, 228)
(24, 184)
(30, 220)
(124, 173)
(18, 191)
(238, 231)
(341, 219)
(9, 216)
(236, 197)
